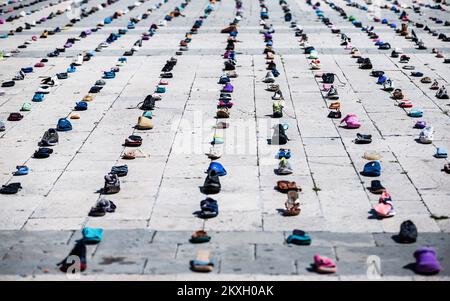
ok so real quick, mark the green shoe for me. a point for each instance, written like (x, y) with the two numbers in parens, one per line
(26, 107)
(313, 55)
(351, 18)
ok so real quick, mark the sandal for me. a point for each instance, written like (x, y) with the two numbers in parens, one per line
(335, 106)
(285, 186)
(292, 206)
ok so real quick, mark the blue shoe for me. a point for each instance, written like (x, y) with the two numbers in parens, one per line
(372, 169)
(299, 237)
(21, 171)
(284, 153)
(220, 170)
(81, 106)
(71, 69)
(92, 235)
(38, 97)
(109, 74)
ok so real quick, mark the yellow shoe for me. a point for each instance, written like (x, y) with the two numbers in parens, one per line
(88, 98)
(144, 123)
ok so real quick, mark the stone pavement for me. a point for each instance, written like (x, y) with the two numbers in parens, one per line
(148, 234)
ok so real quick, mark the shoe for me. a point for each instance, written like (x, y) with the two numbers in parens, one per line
(102, 207)
(112, 184)
(426, 135)
(21, 170)
(79, 251)
(442, 93)
(50, 138)
(372, 169)
(408, 233)
(120, 171)
(376, 187)
(214, 153)
(284, 168)
(212, 183)
(351, 121)
(426, 261)
(42, 153)
(269, 78)
(384, 208)
(11, 188)
(363, 139)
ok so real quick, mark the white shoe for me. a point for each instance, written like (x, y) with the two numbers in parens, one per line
(135, 48)
(43, 89)
(269, 78)
(214, 153)
(78, 61)
(426, 135)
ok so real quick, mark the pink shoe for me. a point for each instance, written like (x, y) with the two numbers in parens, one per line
(351, 121)
(225, 104)
(348, 46)
(324, 265)
(163, 82)
(326, 87)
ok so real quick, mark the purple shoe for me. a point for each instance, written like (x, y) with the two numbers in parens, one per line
(228, 88)
(426, 261)
(68, 45)
(88, 32)
(420, 124)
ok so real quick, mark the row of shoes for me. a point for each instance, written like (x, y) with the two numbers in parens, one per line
(209, 207)
(279, 136)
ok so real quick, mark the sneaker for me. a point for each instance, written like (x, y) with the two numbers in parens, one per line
(112, 184)
(50, 138)
(212, 183)
(269, 78)
(78, 61)
(442, 93)
(20, 76)
(284, 168)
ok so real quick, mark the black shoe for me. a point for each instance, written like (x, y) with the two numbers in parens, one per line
(335, 114)
(408, 232)
(79, 251)
(11, 188)
(363, 139)
(42, 153)
(212, 183)
(50, 138)
(376, 187)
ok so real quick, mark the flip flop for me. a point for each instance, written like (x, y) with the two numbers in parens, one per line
(285, 186)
